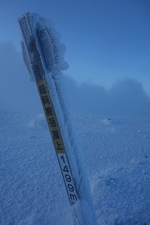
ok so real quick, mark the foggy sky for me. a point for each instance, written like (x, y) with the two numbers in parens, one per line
(106, 40)
(125, 98)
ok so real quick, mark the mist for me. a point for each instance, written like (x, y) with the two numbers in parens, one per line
(17, 93)
(125, 98)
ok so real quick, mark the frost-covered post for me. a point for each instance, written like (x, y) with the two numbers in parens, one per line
(43, 56)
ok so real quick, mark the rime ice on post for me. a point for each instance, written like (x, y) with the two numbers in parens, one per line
(43, 56)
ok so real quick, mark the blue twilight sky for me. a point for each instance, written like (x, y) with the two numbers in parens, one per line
(106, 40)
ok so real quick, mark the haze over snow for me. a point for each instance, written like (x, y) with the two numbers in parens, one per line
(126, 97)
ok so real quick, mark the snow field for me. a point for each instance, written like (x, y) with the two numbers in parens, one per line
(117, 159)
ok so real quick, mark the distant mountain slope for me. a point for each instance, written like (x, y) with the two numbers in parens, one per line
(117, 156)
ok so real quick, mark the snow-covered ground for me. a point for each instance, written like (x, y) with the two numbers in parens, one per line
(117, 158)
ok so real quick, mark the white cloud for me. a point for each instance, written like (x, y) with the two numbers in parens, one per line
(126, 98)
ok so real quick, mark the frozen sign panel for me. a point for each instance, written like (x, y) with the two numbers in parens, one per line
(31, 54)
(47, 48)
(43, 56)
(38, 54)
(27, 60)
(40, 46)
